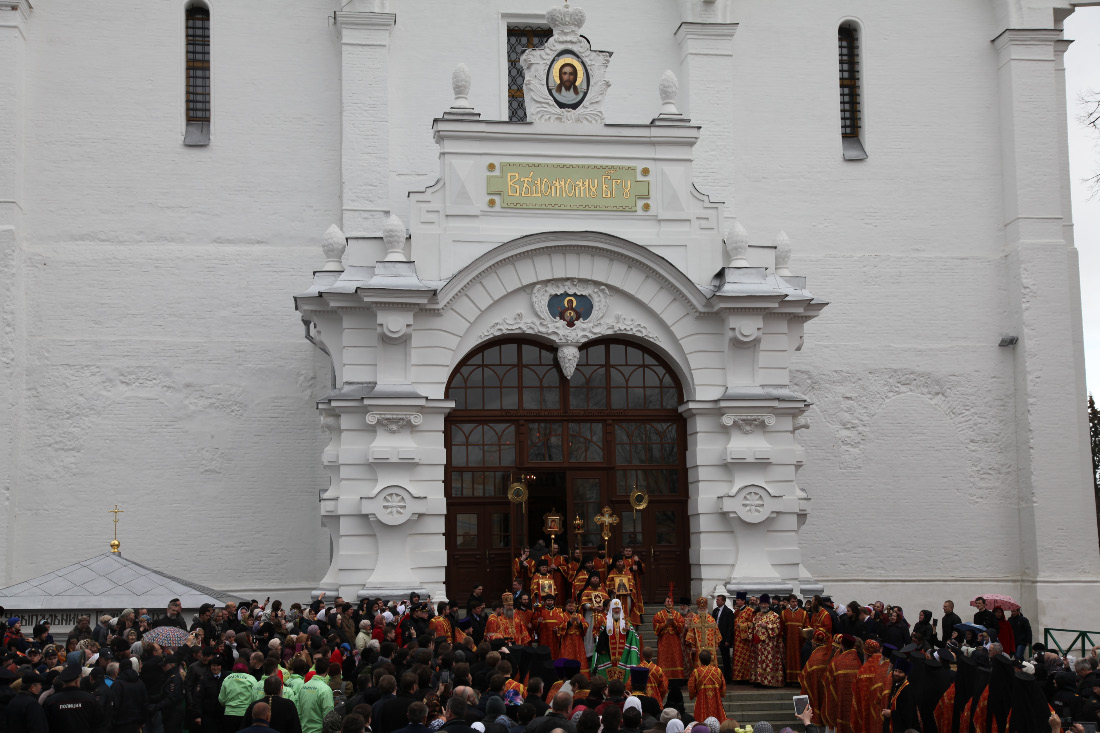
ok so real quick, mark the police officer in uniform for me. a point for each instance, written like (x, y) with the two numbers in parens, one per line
(71, 709)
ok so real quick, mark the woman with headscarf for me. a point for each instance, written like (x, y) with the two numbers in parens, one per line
(925, 629)
(1004, 631)
(897, 630)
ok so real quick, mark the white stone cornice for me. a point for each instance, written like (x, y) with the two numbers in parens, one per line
(376, 25)
(22, 8)
(706, 38)
(1026, 44)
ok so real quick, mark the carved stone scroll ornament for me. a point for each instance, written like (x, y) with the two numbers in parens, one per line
(567, 43)
(747, 423)
(393, 422)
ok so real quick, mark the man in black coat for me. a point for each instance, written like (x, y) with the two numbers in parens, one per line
(130, 700)
(984, 616)
(723, 616)
(395, 713)
(284, 713)
(71, 709)
(172, 702)
(261, 714)
(455, 717)
(23, 714)
(173, 616)
(1021, 633)
(950, 621)
(206, 710)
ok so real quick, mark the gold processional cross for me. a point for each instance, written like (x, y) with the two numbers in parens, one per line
(606, 519)
(115, 543)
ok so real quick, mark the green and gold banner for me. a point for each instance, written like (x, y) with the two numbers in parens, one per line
(568, 186)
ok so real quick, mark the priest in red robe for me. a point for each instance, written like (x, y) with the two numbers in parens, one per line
(707, 687)
(841, 681)
(794, 620)
(813, 675)
(668, 627)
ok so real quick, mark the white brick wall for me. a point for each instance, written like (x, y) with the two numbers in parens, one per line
(161, 363)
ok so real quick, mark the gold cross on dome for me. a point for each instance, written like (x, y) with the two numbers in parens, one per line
(116, 511)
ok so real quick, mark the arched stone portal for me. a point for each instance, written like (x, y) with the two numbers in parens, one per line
(397, 523)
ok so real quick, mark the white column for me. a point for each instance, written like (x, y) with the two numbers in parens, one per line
(1057, 527)
(14, 15)
(706, 59)
(365, 129)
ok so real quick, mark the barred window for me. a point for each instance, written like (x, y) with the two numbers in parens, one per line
(197, 72)
(521, 38)
(851, 110)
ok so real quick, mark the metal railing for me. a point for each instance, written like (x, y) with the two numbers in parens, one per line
(1084, 640)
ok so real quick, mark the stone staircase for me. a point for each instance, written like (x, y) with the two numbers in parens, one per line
(744, 703)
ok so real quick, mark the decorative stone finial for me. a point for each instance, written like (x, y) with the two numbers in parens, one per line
(737, 245)
(782, 254)
(669, 88)
(333, 244)
(393, 234)
(566, 21)
(460, 84)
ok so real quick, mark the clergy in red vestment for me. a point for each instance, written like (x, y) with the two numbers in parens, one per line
(444, 623)
(504, 625)
(620, 583)
(636, 568)
(601, 564)
(794, 620)
(813, 675)
(841, 681)
(707, 687)
(657, 683)
(546, 621)
(865, 695)
(617, 646)
(819, 616)
(580, 580)
(557, 565)
(668, 627)
(523, 567)
(571, 635)
(702, 632)
(545, 582)
(767, 646)
(742, 638)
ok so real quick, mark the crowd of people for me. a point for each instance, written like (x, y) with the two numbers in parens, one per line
(561, 651)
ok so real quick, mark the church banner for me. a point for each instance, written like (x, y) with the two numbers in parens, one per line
(568, 186)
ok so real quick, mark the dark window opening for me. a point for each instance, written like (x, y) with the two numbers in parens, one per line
(198, 76)
(850, 91)
(521, 38)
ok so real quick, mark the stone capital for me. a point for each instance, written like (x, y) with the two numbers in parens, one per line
(365, 29)
(394, 422)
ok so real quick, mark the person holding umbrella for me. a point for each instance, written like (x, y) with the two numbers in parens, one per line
(984, 616)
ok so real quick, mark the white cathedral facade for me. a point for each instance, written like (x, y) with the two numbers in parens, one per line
(783, 301)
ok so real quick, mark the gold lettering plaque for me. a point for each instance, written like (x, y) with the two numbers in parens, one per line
(568, 186)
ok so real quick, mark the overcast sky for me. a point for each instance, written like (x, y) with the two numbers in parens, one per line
(1083, 75)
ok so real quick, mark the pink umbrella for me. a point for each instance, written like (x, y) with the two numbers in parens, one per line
(996, 600)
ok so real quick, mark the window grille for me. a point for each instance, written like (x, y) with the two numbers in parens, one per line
(521, 38)
(198, 64)
(848, 37)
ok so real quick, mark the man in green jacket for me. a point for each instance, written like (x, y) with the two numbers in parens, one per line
(315, 699)
(237, 693)
(293, 682)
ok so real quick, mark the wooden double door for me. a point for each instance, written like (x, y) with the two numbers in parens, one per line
(580, 445)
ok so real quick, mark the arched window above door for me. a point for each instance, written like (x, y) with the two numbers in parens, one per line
(524, 376)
